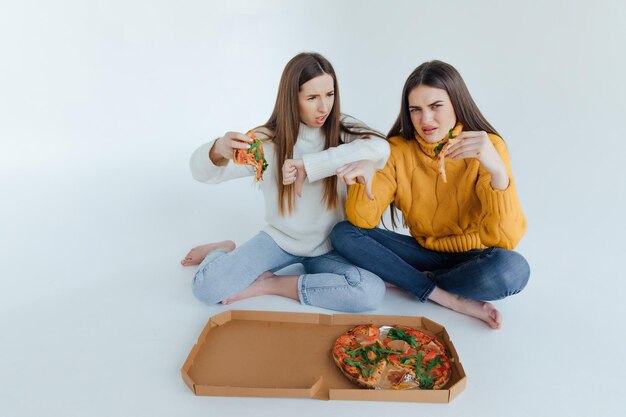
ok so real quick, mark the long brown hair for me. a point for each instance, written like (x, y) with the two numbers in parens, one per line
(284, 123)
(444, 76)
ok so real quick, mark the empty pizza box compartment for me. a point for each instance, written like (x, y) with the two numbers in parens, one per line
(277, 354)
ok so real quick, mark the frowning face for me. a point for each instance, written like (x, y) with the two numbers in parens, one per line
(316, 99)
(431, 112)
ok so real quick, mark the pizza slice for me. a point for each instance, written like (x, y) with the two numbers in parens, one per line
(422, 356)
(253, 156)
(363, 373)
(397, 377)
(432, 366)
(440, 152)
(358, 355)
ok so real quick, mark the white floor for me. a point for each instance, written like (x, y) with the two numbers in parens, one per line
(101, 104)
(97, 315)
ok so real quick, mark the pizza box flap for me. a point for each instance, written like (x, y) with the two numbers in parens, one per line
(278, 354)
(377, 320)
(273, 316)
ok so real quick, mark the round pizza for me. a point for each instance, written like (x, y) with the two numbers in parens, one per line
(392, 357)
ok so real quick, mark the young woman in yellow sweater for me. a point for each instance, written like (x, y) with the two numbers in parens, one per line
(463, 231)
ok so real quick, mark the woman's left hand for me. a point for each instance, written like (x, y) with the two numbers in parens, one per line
(477, 145)
(359, 171)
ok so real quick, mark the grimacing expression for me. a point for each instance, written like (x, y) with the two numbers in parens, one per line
(431, 112)
(316, 99)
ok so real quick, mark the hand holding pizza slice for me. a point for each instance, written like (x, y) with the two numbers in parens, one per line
(440, 151)
(479, 146)
(253, 156)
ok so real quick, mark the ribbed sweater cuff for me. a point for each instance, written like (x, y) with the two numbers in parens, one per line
(318, 166)
(454, 243)
(206, 149)
(500, 202)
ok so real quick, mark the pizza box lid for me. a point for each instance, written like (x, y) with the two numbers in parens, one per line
(245, 353)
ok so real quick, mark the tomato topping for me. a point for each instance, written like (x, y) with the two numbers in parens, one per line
(430, 355)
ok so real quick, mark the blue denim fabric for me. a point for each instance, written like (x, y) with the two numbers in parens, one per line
(329, 281)
(481, 274)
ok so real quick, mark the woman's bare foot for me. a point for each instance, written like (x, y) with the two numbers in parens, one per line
(258, 287)
(197, 254)
(480, 309)
(269, 284)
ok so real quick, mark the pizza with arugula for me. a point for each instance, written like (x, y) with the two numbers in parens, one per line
(392, 357)
(252, 156)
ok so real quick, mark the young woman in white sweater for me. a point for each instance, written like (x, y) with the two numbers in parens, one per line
(308, 143)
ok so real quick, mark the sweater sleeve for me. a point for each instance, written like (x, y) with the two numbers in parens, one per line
(324, 164)
(204, 170)
(366, 213)
(503, 223)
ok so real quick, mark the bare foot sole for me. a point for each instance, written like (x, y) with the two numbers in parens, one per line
(480, 309)
(260, 286)
(197, 254)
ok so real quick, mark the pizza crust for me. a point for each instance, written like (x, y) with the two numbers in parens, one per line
(442, 156)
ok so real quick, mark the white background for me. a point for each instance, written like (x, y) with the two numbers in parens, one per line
(102, 102)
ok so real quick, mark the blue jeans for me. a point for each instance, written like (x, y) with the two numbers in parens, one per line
(481, 274)
(329, 282)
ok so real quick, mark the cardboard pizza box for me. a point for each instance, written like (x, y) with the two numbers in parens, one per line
(277, 354)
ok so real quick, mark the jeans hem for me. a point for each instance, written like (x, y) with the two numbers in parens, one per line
(424, 297)
(301, 294)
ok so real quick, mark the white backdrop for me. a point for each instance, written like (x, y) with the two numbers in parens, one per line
(102, 102)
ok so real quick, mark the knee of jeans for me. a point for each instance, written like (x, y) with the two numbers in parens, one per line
(514, 271)
(342, 234)
(368, 292)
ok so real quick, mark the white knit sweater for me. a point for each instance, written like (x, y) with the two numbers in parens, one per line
(304, 232)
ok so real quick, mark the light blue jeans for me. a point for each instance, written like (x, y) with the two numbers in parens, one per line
(329, 281)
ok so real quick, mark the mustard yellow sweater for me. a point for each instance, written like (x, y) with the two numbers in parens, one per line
(463, 214)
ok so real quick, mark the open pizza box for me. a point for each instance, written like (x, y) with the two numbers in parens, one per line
(277, 354)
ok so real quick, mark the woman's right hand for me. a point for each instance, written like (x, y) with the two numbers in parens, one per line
(294, 172)
(224, 147)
